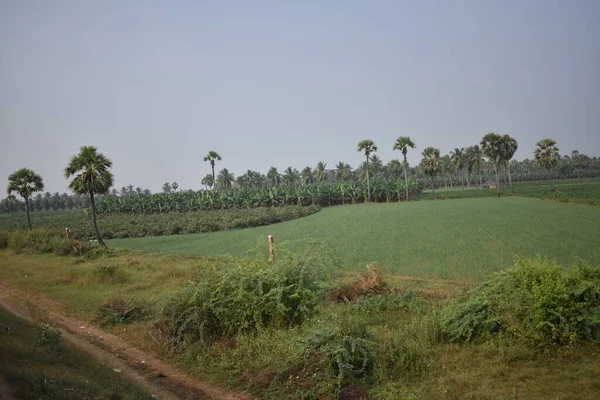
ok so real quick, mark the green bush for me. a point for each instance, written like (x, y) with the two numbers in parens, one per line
(3, 240)
(536, 301)
(48, 335)
(247, 297)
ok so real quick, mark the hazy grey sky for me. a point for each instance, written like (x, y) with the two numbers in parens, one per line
(156, 84)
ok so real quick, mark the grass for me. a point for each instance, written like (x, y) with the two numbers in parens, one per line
(468, 238)
(33, 371)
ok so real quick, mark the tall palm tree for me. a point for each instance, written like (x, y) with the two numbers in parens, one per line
(367, 147)
(212, 157)
(91, 175)
(291, 177)
(510, 148)
(475, 161)
(446, 168)
(403, 143)
(225, 179)
(320, 172)
(25, 182)
(458, 161)
(546, 154)
(492, 146)
(430, 164)
(273, 177)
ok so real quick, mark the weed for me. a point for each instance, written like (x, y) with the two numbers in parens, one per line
(121, 310)
(110, 273)
(48, 335)
(369, 283)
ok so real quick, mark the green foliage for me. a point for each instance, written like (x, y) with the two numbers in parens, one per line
(535, 301)
(3, 240)
(247, 297)
(131, 225)
(48, 335)
(42, 240)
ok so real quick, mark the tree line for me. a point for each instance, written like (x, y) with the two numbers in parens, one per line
(91, 179)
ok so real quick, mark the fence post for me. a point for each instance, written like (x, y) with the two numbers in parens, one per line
(271, 252)
(68, 233)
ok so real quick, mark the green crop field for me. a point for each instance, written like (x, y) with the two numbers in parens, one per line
(467, 238)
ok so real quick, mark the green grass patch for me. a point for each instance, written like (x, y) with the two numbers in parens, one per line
(38, 364)
(468, 238)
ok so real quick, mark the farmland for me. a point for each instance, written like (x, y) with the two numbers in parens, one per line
(468, 238)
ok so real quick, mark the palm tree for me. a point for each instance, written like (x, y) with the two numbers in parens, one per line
(91, 175)
(212, 157)
(393, 169)
(446, 168)
(403, 143)
(320, 172)
(430, 164)
(273, 177)
(25, 182)
(367, 147)
(475, 160)
(510, 147)
(225, 179)
(166, 187)
(343, 172)
(546, 154)
(208, 181)
(174, 185)
(492, 146)
(307, 176)
(291, 177)
(458, 162)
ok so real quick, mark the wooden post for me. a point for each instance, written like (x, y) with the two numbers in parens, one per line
(271, 252)
(68, 233)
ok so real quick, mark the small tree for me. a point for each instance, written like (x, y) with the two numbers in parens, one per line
(25, 182)
(493, 148)
(510, 148)
(175, 185)
(367, 147)
(212, 157)
(91, 175)
(546, 154)
(403, 143)
(208, 181)
(430, 164)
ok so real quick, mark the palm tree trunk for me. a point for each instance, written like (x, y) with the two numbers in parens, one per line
(27, 208)
(468, 183)
(432, 186)
(451, 184)
(214, 181)
(509, 178)
(368, 183)
(405, 177)
(93, 204)
(497, 180)
(480, 181)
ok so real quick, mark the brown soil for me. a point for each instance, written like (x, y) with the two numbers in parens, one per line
(158, 378)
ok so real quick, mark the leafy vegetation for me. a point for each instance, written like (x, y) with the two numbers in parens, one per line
(535, 301)
(467, 238)
(132, 225)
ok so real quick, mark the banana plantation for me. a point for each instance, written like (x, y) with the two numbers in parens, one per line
(205, 200)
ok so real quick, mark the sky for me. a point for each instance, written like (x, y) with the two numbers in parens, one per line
(155, 85)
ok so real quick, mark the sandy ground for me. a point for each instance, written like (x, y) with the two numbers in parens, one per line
(158, 378)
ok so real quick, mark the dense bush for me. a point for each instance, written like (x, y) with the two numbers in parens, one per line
(46, 241)
(132, 225)
(247, 297)
(535, 301)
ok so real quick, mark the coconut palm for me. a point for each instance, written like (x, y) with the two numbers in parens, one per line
(492, 146)
(25, 182)
(546, 154)
(393, 169)
(446, 169)
(403, 143)
(430, 164)
(459, 163)
(367, 147)
(273, 177)
(343, 172)
(510, 147)
(91, 175)
(225, 179)
(291, 177)
(320, 172)
(475, 161)
(307, 176)
(212, 157)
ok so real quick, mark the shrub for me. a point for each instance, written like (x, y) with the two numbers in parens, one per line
(110, 273)
(121, 310)
(368, 283)
(48, 335)
(536, 301)
(247, 297)
(3, 240)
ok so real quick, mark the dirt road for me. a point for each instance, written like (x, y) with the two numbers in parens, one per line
(158, 378)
